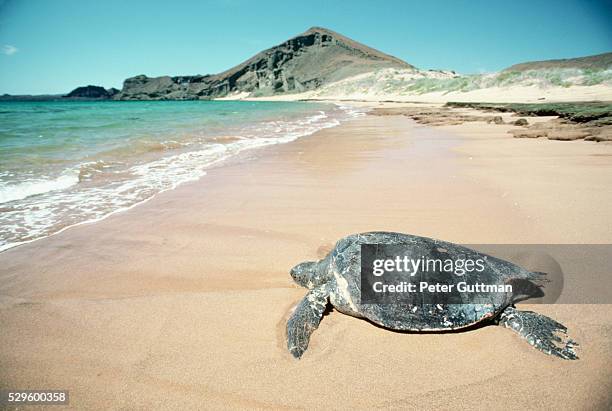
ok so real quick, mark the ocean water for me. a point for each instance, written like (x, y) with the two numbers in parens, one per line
(66, 163)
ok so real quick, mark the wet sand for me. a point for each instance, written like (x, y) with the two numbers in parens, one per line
(181, 302)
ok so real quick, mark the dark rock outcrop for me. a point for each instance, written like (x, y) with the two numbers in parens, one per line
(96, 92)
(605, 135)
(308, 61)
(522, 133)
(562, 126)
(521, 122)
(567, 135)
(589, 113)
(30, 97)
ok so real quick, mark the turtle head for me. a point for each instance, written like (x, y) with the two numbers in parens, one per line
(305, 274)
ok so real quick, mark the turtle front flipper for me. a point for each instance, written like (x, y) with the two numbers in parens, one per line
(542, 332)
(305, 319)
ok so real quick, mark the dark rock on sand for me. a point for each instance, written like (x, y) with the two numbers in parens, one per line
(521, 122)
(605, 136)
(436, 116)
(589, 113)
(528, 133)
(558, 128)
(567, 135)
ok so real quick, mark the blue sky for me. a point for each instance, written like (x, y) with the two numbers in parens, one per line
(53, 46)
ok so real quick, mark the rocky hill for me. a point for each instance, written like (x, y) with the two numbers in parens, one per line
(92, 92)
(596, 62)
(305, 62)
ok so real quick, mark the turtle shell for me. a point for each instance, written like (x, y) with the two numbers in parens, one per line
(461, 311)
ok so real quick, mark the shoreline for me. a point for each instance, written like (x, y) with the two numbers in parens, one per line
(283, 138)
(201, 271)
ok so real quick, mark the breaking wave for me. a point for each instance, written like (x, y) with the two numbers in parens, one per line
(123, 174)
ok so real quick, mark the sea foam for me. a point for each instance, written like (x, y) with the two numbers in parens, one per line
(18, 191)
(153, 152)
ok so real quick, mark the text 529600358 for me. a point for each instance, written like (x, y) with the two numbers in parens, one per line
(31, 397)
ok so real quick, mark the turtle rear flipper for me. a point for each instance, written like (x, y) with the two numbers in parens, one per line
(541, 332)
(305, 319)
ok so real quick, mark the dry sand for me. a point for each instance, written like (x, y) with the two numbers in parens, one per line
(511, 94)
(181, 302)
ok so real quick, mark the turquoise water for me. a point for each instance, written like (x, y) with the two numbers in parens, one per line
(64, 163)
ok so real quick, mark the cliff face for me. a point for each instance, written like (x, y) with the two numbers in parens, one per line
(314, 58)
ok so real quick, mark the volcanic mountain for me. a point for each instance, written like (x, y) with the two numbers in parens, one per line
(314, 58)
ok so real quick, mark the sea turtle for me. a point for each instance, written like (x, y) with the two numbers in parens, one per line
(337, 279)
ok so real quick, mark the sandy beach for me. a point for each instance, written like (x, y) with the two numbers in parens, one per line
(181, 302)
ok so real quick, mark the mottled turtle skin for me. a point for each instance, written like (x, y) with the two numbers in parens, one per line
(336, 279)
